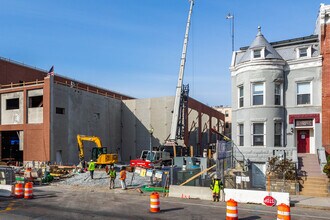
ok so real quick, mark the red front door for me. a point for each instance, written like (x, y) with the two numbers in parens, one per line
(303, 141)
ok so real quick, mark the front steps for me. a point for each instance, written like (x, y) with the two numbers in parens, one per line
(313, 182)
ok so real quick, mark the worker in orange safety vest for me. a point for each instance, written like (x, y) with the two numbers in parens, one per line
(122, 177)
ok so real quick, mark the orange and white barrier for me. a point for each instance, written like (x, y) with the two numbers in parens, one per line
(28, 190)
(154, 202)
(283, 212)
(232, 212)
(19, 190)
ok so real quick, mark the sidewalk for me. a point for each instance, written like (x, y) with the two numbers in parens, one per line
(310, 202)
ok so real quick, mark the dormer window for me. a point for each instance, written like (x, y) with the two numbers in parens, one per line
(258, 53)
(304, 52)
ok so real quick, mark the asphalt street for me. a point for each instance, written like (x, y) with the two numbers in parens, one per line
(56, 202)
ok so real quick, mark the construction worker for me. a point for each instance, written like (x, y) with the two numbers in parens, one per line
(122, 177)
(216, 186)
(112, 174)
(91, 168)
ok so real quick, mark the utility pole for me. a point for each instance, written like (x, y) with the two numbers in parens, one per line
(231, 17)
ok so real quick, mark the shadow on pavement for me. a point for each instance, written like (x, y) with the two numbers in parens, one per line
(250, 218)
(44, 196)
(172, 209)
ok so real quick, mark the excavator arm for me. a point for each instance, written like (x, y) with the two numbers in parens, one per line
(81, 138)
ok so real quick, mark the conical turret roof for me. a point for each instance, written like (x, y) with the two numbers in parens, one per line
(260, 42)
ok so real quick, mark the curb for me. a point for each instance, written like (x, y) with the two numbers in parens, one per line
(310, 206)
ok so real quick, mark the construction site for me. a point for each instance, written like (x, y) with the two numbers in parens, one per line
(48, 120)
(62, 135)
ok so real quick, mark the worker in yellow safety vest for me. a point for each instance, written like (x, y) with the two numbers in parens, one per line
(91, 168)
(112, 174)
(216, 186)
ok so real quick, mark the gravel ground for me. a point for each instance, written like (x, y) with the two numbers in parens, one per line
(101, 179)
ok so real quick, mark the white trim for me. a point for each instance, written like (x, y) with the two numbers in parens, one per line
(308, 51)
(264, 133)
(304, 79)
(281, 93)
(258, 80)
(310, 93)
(239, 96)
(304, 63)
(263, 93)
(258, 65)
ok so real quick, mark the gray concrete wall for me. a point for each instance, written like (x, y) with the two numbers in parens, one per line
(35, 115)
(87, 114)
(138, 117)
(14, 116)
(269, 113)
(249, 114)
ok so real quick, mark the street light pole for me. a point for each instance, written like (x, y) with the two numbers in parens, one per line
(151, 131)
(231, 16)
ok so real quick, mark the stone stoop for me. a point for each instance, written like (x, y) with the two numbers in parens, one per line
(314, 186)
(313, 182)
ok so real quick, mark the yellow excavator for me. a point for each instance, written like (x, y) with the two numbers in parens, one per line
(99, 153)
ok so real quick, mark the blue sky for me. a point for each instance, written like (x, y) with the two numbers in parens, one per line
(134, 46)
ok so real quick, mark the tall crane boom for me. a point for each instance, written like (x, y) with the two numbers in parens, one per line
(177, 99)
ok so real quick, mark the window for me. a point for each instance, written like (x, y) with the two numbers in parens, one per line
(12, 104)
(258, 94)
(241, 134)
(226, 113)
(303, 93)
(277, 94)
(241, 97)
(278, 134)
(227, 125)
(257, 53)
(60, 111)
(258, 134)
(303, 52)
(35, 101)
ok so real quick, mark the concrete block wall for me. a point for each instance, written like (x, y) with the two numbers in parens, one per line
(35, 115)
(13, 116)
(138, 117)
(84, 113)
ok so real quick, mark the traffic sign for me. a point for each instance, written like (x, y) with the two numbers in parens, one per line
(269, 201)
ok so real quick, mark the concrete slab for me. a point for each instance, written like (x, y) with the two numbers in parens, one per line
(192, 192)
(6, 190)
(241, 196)
(254, 196)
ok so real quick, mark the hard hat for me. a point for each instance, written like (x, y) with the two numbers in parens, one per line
(111, 167)
(91, 160)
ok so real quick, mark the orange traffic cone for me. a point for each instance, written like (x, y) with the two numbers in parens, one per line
(232, 212)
